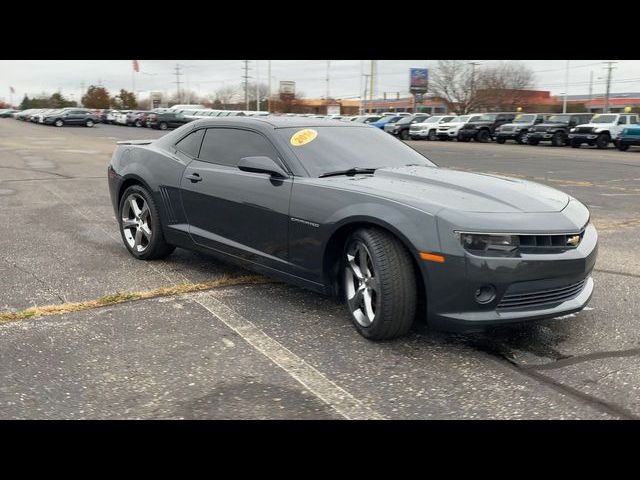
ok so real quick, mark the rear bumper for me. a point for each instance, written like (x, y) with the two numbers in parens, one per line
(544, 286)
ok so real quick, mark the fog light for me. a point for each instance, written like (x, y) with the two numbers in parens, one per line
(485, 294)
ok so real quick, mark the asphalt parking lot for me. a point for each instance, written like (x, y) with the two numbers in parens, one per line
(268, 350)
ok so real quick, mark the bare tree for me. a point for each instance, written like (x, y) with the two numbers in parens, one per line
(453, 82)
(503, 86)
(227, 95)
(466, 90)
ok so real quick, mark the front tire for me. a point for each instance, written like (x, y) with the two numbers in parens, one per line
(483, 136)
(520, 139)
(379, 284)
(500, 140)
(89, 123)
(140, 225)
(432, 135)
(575, 144)
(59, 122)
(404, 135)
(602, 141)
(623, 147)
(558, 139)
(163, 125)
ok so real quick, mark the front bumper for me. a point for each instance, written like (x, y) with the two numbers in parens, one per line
(583, 137)
(464, 133)
(628, 141)
(451, 286)
(447, 133)
(509, 135)
(540, 136)
(419, 133)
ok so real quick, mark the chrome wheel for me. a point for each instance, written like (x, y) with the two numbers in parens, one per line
(362, 286)
(136, 223)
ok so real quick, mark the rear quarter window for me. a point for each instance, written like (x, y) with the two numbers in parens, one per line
(190, 145)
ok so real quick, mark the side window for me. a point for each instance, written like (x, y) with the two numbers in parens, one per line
(190, 144)
(226, 146)
(622, 120)
(633, 119)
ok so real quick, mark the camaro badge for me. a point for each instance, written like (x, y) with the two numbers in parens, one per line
(573, 240)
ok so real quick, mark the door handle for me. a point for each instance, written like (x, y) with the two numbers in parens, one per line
(194, 177)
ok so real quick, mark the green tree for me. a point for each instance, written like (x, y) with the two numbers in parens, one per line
(96, 97)
(58, 101)
(125, 100)
(26, 103)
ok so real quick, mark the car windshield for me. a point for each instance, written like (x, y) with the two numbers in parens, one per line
(521, 118)
(462, 119)
(559, 119)
(405, 120)
(487, 117)
(432, 120)
(331, 149)
(603, 119)
(389, 119)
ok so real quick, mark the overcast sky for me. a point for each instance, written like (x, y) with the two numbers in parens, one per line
(205, 76)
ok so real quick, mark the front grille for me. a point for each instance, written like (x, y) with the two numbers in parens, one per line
(584, 130)
(541, 297)
(540, 129)
(544, 243)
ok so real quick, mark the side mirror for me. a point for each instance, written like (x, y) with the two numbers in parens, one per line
(261, 164)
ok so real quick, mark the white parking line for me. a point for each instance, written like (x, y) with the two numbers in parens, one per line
(336, 397)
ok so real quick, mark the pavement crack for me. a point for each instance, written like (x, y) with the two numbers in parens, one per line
(48, 287)
(632, 352)
(614, 272)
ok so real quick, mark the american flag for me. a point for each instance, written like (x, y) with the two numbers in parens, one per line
(136, 67)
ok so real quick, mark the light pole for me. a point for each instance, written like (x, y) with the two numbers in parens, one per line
(566, 88)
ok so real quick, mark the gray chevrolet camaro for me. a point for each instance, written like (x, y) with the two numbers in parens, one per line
(346, 209)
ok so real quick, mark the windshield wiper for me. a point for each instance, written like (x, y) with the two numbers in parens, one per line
(350, 171)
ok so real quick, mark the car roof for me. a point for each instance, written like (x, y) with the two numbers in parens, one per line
(275, 122)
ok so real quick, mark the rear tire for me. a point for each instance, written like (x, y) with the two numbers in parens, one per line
(463, 139)
(140, 225)
(59, 122)
(163, 126)
(432, 135)
(500, 140)
(379, 284)
(89, 123)
(404, 135)
(520, 139)
(623, 147)
(575, 144)
(533, 141)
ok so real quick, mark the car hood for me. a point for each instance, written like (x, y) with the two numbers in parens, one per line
(432, 189)
(449, 124)
(518, 125)
(477, 124)
(552, 124)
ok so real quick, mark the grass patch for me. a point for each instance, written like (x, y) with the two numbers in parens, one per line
(122, 297)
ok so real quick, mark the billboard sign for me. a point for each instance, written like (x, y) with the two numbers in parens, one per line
(418, 80)
(287, 90)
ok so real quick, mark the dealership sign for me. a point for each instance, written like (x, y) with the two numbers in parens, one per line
(418, 80)
(287, 90)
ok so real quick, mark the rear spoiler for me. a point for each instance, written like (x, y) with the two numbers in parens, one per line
(135, 142)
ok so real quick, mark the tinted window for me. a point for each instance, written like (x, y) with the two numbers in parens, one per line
(622, 121)
(341, 148)
(226, 146)
(191, 143)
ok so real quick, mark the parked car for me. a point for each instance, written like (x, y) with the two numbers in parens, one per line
(40, 116)
(482, 130)
(425, 233)
(449, 130)
(555, 129)
(72, 116)
(24, 115)
(367, 118)
(630, 135)
(164, 120)
(402, 126)
(7, 112)
(518, 129)
(427, 129)
(384, 120)
(601, 130)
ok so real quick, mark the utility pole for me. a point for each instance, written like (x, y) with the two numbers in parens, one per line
(178, 82)
(257, 88)
(566, 88)
(328, 65)
(610, 68)
(269, 99)
(246, 84)
(473, 80)
(364, 97)
(591, 85)
(371, 87)
(361, 110)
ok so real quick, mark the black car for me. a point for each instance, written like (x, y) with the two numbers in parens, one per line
(72, 116)
(482, 130)
(342, 208)
(164, 120)
(518, 129)
(402, 126)
(555, 129)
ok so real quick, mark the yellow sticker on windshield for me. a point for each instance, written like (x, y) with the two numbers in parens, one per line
(595, 116)
(302, 137)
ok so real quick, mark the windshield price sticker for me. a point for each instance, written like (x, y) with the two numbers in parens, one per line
(302, 137)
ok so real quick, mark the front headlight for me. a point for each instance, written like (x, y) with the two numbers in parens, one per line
(572, 130)
(480, 242)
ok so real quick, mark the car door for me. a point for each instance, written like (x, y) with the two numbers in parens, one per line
(240, 213)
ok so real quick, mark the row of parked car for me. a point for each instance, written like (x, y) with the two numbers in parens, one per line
(559, 129)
